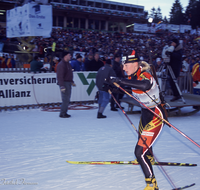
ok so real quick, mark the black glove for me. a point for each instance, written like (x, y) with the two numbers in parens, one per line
(107, 86)
(115, 79)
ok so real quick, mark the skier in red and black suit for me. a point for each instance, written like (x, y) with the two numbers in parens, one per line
(145, 89)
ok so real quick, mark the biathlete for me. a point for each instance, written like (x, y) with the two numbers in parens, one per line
(145, 89)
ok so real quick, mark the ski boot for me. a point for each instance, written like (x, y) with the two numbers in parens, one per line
(151, 184)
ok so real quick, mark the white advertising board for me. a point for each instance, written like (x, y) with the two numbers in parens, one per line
(28, 88)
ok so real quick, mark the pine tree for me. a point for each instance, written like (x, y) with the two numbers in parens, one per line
(156, 14)
(192, 13)
(176, 14)
(152, 13)
(165, 20)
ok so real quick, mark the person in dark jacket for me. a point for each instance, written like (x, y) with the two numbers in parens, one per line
(176, 65)
(87, 61)
(36, 65)
(96, 63)
(65, 80)
(13, 61)
(117, 67)
(103, 74)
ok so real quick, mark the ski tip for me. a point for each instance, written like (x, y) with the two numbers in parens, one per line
(184, 187)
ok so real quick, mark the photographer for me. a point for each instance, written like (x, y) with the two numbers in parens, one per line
(173, 56)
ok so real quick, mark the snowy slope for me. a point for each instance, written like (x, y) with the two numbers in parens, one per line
(34, 147)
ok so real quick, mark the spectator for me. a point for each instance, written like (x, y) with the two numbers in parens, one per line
(6, 61)
(96, 63)
(111, 57)
(105, 57)
(55, 63)
(117, 67)
(78, 65)
(36, 65)
(176, 65)
(13, 63)
(88, 61)
(158, 63)
(3, 65)
(185, 65)
(104, 73)
(65, 80)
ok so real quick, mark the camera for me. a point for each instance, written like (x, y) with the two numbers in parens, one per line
(166, 53)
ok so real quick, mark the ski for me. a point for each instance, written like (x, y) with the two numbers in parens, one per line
(128, 163)
(184, 187)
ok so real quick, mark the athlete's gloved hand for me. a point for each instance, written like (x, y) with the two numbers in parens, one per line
(107, 86)
(62, 89)
(115, 79)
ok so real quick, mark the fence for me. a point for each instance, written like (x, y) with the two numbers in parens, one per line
(13, 70)
(184, 81)
(20, 88)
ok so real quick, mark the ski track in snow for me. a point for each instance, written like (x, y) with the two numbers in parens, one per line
(34, 147)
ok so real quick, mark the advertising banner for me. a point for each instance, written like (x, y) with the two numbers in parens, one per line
(141, 27)
(28, 88)
(185, 28)
(173, 28)
(29, 20)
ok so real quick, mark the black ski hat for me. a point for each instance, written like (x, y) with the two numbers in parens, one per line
(65, 53)
(130, 58)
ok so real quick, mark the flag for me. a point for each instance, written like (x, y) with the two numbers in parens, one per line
(159, 26)
(198, 38)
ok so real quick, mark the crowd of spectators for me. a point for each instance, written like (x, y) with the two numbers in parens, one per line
(106, 43)
(109, 44)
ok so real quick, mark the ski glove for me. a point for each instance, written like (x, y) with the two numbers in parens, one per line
(62, 89)
(107, 86)
(115, 79)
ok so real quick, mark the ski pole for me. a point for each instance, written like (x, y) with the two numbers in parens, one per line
(140, 136)
(117, 85)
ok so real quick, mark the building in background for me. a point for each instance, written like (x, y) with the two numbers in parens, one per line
(87, 14)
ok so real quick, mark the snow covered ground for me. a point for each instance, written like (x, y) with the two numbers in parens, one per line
(34, 147)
